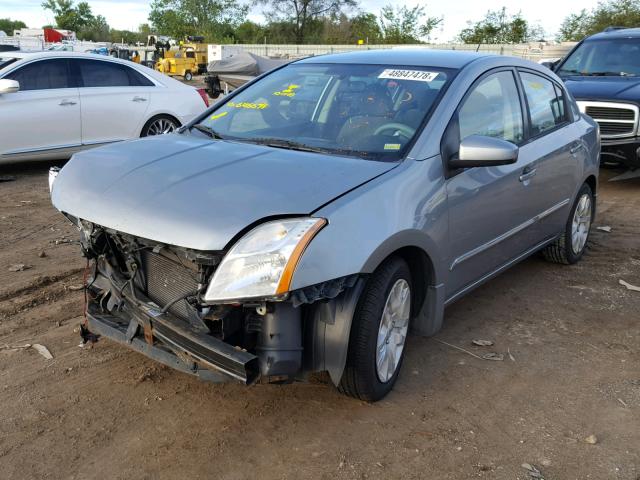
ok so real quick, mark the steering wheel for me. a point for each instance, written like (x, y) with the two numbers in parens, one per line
(400, 128)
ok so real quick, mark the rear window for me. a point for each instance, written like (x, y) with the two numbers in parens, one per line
(97, 73)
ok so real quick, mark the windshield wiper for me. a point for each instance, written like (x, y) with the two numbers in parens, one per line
(569, 72)
(609, 74)
(208, 131)
(288, 144)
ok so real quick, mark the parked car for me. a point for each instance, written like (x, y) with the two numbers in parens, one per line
(603, 73)
(314, 216)
(53, 104)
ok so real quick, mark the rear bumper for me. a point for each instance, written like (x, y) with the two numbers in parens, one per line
(168, 341)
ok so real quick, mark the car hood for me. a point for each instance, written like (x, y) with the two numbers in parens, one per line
(604, 88)
(199, 193)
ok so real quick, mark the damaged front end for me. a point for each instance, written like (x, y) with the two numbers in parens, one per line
(152, 298)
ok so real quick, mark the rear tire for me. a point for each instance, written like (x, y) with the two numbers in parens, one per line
(378, 333)
(188, 76)
(159, 125)
(571, 245)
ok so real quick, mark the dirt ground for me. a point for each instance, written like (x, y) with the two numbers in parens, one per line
(108, 413)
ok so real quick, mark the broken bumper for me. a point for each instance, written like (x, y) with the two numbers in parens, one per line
(164, 339)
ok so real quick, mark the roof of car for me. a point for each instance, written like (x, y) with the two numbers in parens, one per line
(25, 55)
(613, 32)
(48, 53)
(416, 57)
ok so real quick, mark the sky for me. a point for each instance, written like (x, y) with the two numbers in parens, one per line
(128, 14)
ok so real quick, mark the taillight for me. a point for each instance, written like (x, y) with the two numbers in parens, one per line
(203, 94)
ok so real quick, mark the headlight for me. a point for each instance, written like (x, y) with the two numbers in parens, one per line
(53, 173)
(261, 264)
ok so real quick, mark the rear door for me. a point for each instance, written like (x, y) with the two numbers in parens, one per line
(553, 150)
(44, 114)
(490, 213)
(115, 99)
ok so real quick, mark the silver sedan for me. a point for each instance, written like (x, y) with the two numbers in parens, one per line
(313, 218)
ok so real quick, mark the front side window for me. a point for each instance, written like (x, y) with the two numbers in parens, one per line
(98, 73)
(369, 111)
(493, 109)
(42, 75)
(545, 106)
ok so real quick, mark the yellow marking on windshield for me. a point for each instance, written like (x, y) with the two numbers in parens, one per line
(218, 115)
(287, 92)
(249, 105)
(392, 146)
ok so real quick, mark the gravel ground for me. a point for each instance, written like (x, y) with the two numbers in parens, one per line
(570, 336)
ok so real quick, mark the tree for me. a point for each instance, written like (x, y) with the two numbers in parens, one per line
(302, 13)
(250, 32)
(216, 20)
(499, 27)
(574, 27)
(8, 26)
(68, 16)
(406, 25)
(365, 27)
(96, 30)
(618, 13)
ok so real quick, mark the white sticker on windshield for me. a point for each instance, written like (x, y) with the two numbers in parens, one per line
(417, 75)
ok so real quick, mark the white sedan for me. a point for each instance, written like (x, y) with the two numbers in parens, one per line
(53, 104)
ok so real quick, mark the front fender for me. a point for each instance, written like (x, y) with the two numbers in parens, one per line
(404, 207)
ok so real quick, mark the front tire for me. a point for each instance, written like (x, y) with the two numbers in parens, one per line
(378, 333)
(188, 76)
(571, 245)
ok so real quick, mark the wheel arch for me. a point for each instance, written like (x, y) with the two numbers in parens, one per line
(330, 322)
(592, 181)
(428, 298)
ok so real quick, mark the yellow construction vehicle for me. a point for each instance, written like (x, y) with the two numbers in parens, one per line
(189, 59)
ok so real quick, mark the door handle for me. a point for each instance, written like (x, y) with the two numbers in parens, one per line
(574, 149)
(65, 103)
(527, 174)
(139, 99)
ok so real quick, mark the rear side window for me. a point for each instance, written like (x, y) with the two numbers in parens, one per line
(97, 73)
(42, 75)
(492, 109)
(546, 103)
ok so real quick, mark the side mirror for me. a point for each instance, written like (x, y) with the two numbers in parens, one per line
(551, 65)
(8, 86)
(481, 151)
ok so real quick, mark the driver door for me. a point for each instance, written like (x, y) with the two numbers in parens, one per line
(488, 206)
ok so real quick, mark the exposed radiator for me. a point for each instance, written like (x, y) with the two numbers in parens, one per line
(168, 280)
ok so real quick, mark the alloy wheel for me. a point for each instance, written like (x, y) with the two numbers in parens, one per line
(581, 224)
(161, 126)
(392, 332)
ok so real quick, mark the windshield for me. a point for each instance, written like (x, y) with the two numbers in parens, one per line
(369, 111)
(619, 57)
